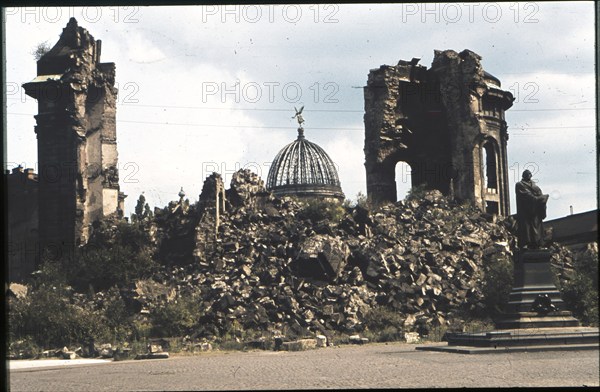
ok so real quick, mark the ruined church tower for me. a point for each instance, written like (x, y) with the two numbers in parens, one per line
(446, 122)
(77, 141)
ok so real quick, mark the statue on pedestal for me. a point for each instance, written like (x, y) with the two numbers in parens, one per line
(531, 210)
(534, 301)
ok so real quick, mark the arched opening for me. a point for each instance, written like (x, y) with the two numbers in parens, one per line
(403, 179)
(490, 168)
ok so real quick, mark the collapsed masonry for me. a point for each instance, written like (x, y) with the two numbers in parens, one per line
(78, 179)
(446, 122)
(273, 271)
(267, 266)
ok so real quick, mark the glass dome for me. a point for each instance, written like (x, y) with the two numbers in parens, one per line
(304, 169)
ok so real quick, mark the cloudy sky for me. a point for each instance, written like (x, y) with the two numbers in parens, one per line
(213, 88)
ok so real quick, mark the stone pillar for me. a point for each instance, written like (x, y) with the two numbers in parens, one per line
(381, 186)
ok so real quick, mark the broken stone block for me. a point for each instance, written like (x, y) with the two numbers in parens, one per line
(161, 355)
(260, 343)
(121, 354)
(106, 351)
(356, 339)
(155, 348)
(244, 188)
(17, 290)
(321, 341)
(66, 354)
(299, 345)
(421, 280)
(409, 321)
(412, 337)
(322, 256)
(278, 342)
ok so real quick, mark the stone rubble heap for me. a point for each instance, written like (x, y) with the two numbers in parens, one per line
(270, 268)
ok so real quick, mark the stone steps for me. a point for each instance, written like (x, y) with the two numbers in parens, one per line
(500, 350)
(534, 320)
(518, 338)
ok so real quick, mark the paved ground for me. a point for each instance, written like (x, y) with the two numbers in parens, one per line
(396, 365)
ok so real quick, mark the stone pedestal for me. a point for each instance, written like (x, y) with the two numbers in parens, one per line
(534, 301)
(536, 318)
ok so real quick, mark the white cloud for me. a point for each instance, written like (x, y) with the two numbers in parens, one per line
(141, 50)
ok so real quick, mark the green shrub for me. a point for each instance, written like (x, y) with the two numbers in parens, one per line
(40, 50)
(321, 209)
(361, 201)
(436, 333)
(117, 317)
(142, 210)
(384, 324)
(24, 349)
(176, 318)
(416, 192)
(580, 293)
(142, 330)
(48, 318)
(231, 345)
(497, 283)
(114, 256)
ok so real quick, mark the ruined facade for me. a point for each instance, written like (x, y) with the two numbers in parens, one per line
(446, 122)
(78, 180)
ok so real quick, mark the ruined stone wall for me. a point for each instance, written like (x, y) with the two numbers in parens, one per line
(437, 120)
(461, 86)
(385, 135)
(76, 131)
(22, 222)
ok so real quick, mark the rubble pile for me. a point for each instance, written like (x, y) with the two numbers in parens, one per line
(252, 264)
(269, 268)
(562, 262)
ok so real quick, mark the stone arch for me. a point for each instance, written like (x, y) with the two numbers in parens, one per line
(489, 161)
(488, 174)
(382, 176)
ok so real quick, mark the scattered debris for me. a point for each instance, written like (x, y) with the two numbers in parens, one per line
(68, 354)
(412, 337)
(161, 355)
(16, 290)
(321, 341)
(106, 351)
(356, 339)
(155, 351)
